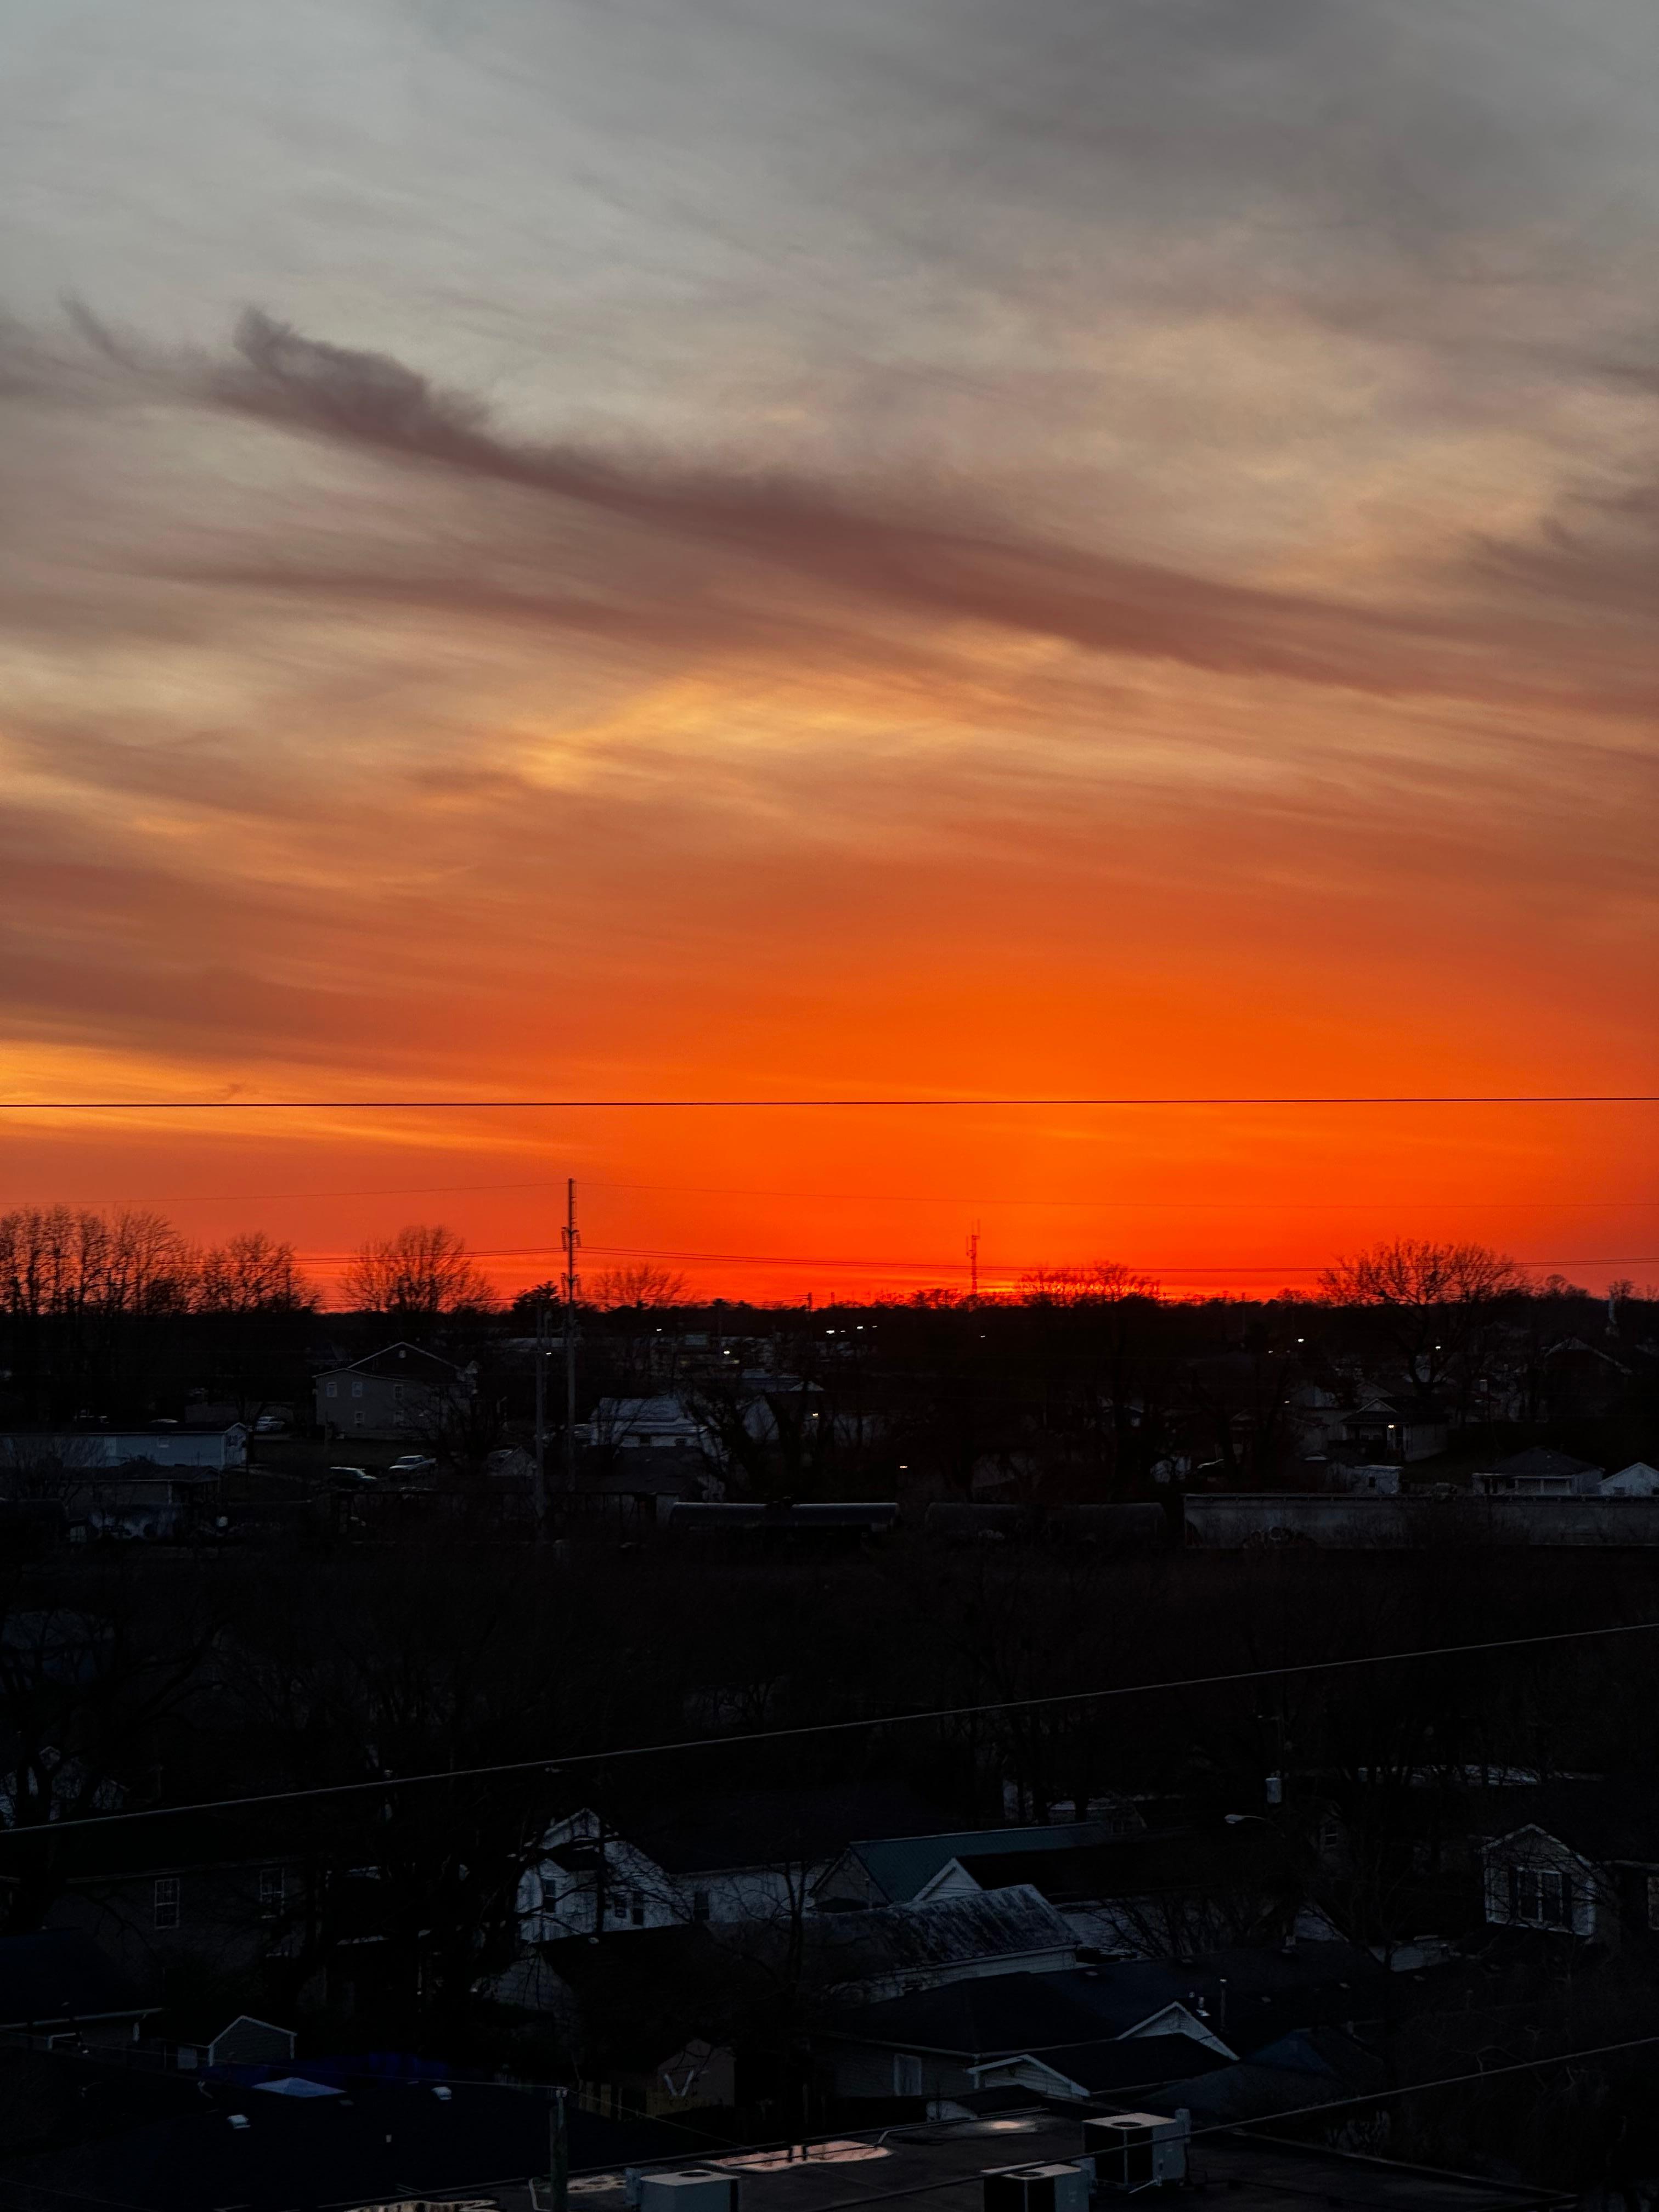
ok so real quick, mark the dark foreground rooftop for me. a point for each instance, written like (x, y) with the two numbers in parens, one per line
(937, 2168)
(377, 2145)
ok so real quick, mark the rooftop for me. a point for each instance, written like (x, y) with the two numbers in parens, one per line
(939, 2166)
(901, 1865)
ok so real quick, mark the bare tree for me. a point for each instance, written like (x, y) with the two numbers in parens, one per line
(1432, 1296)
(252, 1273)
(642, 1285)
(1103, 1283)
(422, 1270)
(80, 1294)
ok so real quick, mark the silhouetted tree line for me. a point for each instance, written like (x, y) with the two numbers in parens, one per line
(1084, 1382)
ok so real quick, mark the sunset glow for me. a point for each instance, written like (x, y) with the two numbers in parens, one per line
(841, 592)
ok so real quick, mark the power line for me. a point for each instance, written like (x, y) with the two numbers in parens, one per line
(727, 1105)
(943, 1199)
(555, 1763)
(959, 1267)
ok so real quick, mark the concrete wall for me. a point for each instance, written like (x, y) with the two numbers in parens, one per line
(1266, 1520)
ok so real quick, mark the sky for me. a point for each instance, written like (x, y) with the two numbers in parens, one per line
(810, 547)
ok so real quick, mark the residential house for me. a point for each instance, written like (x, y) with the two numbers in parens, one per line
(1400, 1429)
(390, 1395)
(867, 1957)
(759, 1854)
(589, 1881)
(159, 1902)
(1638, 1480)
(651, 2083)
(1170, 1890)
(1062, 2034)
(1313, 2066)
(906, 1870)
(1537, 1473)
(662, 1422)
(642, 1455)
(952, 2041)
(1582, 1860)
(738, 1859)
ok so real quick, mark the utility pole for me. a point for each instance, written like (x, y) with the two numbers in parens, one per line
(973, 1265)
(541, 1419)
(560, 2147)
(553, 2195)
(570, 1240)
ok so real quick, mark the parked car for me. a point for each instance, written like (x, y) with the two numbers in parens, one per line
(413, 1463)
(270, 1425)
(351, 1478)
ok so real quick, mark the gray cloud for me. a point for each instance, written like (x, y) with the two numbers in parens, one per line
(757, 560)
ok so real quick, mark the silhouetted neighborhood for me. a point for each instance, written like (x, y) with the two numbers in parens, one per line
(920, 1734)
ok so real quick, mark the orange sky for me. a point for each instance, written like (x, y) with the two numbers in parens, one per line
(936, 552)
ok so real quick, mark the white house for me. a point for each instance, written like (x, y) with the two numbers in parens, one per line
(1533, 1880)
(742, 1858)
(589, 1881)
(1638, 1480)
(390, 1395)
(1539, 1473)
(1586, 1864)
(662, 1422)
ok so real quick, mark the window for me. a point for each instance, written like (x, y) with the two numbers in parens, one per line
(358, 1419)
(907, 2075)
(700, 1902)
(330, 1389)
(356, 1390)
(636, 1908)
(1540, 1897)
(397, 1393)
(164, 1908)
(273, 1892)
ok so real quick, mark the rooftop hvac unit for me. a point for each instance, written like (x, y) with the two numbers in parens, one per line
(1035, 2189)
(1138, 2150)
(696, 2188)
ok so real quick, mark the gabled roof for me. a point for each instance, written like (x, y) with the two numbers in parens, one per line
(1268, 1993)
(906, 1938)
(1537, 1460)
(1002, 2015)
(59, 1974)
(395, 1363)
(1116, 2065)
(900, 1866)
